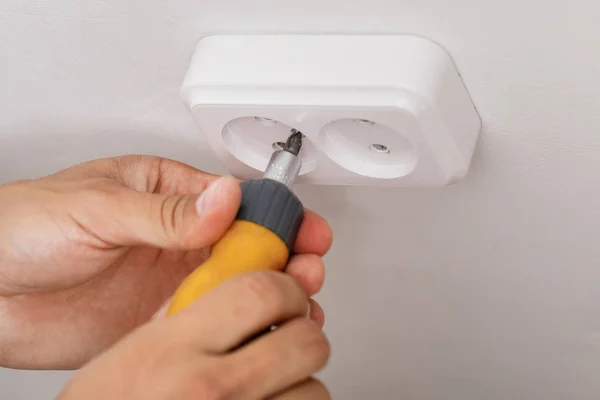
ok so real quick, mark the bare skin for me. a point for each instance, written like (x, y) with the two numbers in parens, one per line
(204, 353)
(89, 255)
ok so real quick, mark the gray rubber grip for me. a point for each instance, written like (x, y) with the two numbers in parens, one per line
(273, 205)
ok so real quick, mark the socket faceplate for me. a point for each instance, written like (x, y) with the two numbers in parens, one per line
(384, 110)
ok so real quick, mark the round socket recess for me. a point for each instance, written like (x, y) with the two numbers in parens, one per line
(421, 126)
(252, 140)
(368, 148)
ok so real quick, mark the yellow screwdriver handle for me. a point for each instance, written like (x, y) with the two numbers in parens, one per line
(246, 246)
(261, 238)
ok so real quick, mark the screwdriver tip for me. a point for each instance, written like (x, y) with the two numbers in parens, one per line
(293, 144)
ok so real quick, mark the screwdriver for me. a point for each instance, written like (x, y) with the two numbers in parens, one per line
(263, 234)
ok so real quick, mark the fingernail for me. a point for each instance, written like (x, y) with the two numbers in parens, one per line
(210, 198)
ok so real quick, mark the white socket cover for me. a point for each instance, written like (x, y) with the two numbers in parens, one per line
(376, 110)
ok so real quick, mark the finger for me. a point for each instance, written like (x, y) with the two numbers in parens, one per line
(241, 308)
(308, 270)
(315, 235)
(187, 222)
(160, 175)
(142, 173)
(316, 313)
(311, 389)
(281, 358)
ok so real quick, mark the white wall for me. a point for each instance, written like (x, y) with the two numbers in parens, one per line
(485, 290)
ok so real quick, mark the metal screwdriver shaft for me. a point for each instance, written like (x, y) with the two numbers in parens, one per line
(285, 164)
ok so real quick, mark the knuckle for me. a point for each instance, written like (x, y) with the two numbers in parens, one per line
(171, 211)
(266, 287)
(154, 166)
(275, 293)
(138, 172)
(314, 343)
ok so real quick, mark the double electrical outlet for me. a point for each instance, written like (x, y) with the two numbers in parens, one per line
(387, 110)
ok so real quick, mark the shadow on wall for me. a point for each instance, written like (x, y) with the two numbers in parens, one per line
(25, 154)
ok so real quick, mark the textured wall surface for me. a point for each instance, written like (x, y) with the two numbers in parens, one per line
(489, 289)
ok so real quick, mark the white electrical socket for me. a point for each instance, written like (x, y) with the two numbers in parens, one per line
(383, 110)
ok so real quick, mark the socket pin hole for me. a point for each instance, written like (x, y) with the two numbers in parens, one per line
(265, 121)
(365, 122)
(379, 148)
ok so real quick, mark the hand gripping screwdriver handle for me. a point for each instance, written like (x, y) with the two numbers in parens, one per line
(263, 234)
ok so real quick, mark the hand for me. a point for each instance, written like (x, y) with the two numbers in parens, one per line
(207, 351)
(93, 251)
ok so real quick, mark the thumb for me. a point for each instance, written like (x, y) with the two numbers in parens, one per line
(178, 222)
